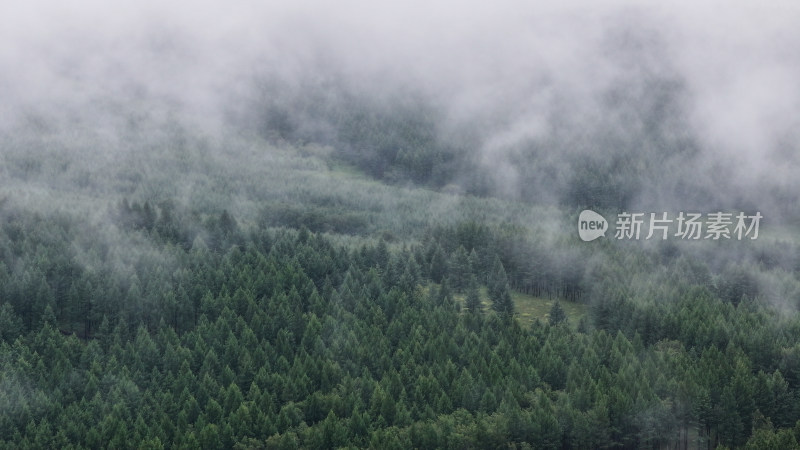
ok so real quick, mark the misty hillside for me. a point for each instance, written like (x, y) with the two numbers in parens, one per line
(299, 226)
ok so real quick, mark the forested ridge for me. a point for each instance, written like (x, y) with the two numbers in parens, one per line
(280, 225)
(248, 337)
(237, 292)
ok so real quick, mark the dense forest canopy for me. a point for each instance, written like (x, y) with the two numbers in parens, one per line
(267, 228)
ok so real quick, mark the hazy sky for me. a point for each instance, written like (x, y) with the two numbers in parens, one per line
(739, 63)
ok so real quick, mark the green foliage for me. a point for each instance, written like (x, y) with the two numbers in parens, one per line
(195, 325)
(502, 302)
(473, 301)
(557, 314)
(10, 323)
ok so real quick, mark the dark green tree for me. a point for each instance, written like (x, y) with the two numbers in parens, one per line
(557, 314)
(438, 265)
(502, 302)
(498, 280)
(10, 323)
(473, 300)
(459, 269)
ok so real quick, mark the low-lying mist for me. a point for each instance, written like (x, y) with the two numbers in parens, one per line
(299, 224)
(585, 104)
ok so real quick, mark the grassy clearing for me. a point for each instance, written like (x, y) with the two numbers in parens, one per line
(530, 308)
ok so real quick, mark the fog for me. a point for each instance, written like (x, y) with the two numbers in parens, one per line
(715, 82)
(144, 144)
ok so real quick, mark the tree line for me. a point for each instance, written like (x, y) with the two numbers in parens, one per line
(277, 338)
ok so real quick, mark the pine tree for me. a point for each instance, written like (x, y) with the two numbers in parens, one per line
(459, 269)
(731, 428)
(473, 301)
(502, 302)
(10, 323)
(498, 280)
(474, 263)
(557, 314)
(443, 295)
(438, 268)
